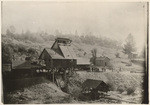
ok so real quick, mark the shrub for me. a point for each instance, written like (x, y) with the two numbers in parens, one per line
(111, 86)
(117, 55)
(31, 51)
(7, 53)
(121, 89)
(130, 90)
(21, 49)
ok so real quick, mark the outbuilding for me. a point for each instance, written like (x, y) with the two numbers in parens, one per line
(102, 61)
(98, 85)
(6, 67)
(83, 64)
(24, 68)
(93, 88)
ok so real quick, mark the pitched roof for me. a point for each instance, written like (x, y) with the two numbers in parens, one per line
(54, 54)
(27, 65)
(90, 83)
(17, 62)
(68, 52)
(59, 38)
(83, 61)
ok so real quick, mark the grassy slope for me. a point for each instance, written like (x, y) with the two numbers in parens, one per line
(38, 94)
(40, 46)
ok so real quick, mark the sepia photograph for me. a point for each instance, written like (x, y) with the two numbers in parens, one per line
(74, 52)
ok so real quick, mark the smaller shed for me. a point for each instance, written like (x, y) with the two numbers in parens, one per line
(83, 63)
(102, 61)
(95, 85)
(25, 67)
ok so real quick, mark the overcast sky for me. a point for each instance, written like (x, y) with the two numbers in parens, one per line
(113, 20)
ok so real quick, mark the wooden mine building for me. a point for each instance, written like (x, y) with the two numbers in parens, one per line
(60, 55)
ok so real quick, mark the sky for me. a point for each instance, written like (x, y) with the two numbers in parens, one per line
(113, 20)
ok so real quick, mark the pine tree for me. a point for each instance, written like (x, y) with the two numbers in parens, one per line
(129, 46)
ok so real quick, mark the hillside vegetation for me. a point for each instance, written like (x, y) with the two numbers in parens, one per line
(16, 46)
(38, 94)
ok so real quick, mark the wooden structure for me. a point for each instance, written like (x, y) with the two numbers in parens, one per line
(24, 68)
(94, 88)
(94, 85)
(61, 55)
(6, 67)
(51, 59)
(102, 61)
(83, 64)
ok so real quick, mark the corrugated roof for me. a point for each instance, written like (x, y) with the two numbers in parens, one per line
(54, 54)
(68, 52)
(83, 61)
(90, 83)
(70, 48)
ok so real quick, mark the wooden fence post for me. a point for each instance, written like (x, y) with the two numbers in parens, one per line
(53, 75)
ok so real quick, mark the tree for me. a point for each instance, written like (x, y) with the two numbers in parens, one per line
(31, 51)
(129, 46)
(76, 33)
(11, 31)
(7, 53)
(94, 55)
(57, 33)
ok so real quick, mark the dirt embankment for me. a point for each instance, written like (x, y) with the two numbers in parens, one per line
(42, 93)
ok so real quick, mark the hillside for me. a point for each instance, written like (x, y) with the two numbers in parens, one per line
(48, 93)
(37, 94)
(14, 48)
(32, 44)
(120, 84)
(120, 79)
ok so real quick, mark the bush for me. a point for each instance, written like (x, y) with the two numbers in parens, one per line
(130, 90)
(117, 55)
(21, 49)
(31, 51)
(111, 87)
(7, 53)
(121, 89)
